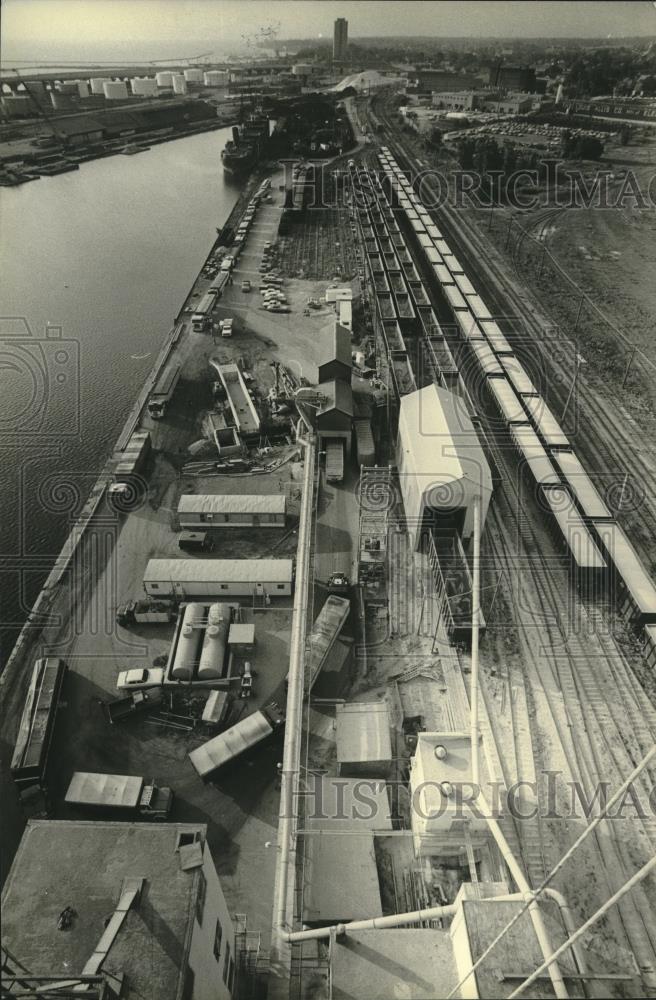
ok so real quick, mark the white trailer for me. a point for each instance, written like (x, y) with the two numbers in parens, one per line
(181, 578)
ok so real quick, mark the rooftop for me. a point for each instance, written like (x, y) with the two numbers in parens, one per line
(341, 878)
(363, 732)
(392, 963)
(238, 570)
(338, 397)
(83, 865)
(336, 346)
(240, 503)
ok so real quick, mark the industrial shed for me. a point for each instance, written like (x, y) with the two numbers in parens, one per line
(335, 415)
(197, 510)
(341, 878)
(335, 357)
(364, 744)
(218, 577)
(441, 464)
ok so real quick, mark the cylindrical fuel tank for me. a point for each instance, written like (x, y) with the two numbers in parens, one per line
(187, 652)
(213, 653)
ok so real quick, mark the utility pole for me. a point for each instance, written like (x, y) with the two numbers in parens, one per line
(579, 361)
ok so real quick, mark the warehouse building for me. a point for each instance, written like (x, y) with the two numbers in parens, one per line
(231, 510)
(364, 744)
(335, 357)
(218, 578)
(147, 906)
(441, 464)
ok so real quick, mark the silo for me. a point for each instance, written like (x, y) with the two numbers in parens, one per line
(215, 642)
(115, 90)
(193, 75)
(164, 79)
(144, 86)
(186, 653)
(97, 83)
(215, 78)
(179, 84)
(82, 88)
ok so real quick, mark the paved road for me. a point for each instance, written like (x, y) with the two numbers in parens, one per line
(337, 527)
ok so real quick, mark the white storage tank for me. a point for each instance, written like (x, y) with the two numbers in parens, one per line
(188, 648)
(214, 644)
(193, 75)
(98, 83)
(164, 79)
(115, 90)
(83, 88)
(215, 78)
(179, 84)
(144, 86)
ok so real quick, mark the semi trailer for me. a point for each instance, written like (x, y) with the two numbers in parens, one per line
(243, 736)
(128, 793)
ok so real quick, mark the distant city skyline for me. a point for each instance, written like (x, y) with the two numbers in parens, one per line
(160, 29)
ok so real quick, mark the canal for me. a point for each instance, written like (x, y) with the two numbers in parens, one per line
(97, 263)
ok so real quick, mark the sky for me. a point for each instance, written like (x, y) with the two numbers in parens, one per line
(150, 29)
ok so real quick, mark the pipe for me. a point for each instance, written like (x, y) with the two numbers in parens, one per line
(584, 928)
(475, 631)
(570, 926)
(374, 923)
(560, 864)
(535, 913)
(294, 709)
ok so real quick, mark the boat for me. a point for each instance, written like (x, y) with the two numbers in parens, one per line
(249, 140)
(133, 148)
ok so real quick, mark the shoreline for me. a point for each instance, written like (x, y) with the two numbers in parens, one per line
(40, 615)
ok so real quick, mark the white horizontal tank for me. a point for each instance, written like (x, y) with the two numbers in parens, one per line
(214, 644)
(193, 75)
(115, 90)
(187, 650)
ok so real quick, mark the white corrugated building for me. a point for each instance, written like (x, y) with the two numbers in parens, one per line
(236, 510)
(218, 577)
(441, 464)
(364, 743)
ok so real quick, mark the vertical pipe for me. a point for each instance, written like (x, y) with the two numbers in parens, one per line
(475, 627)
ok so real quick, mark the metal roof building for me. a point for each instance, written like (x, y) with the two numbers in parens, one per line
(364, 745)
(200, 510)
(441, 464)
(217, 577)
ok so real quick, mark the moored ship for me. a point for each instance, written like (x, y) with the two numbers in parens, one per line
(247, 145)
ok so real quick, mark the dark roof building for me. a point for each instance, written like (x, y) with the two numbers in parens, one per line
(335, 361)
(146, 905)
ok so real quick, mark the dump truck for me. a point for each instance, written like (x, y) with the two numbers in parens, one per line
(125, 792)
(243, 736)
(334, 460)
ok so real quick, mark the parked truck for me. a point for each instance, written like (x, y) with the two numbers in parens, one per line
(334, 460)
(243, 736)
(163, 390)
(140, 612)
(124, 792)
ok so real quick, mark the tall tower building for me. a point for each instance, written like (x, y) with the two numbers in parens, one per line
(340, 39)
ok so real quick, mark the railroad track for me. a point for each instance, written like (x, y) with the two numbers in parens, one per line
(617, 436)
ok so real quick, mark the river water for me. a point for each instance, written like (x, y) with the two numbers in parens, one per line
(97, 263)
